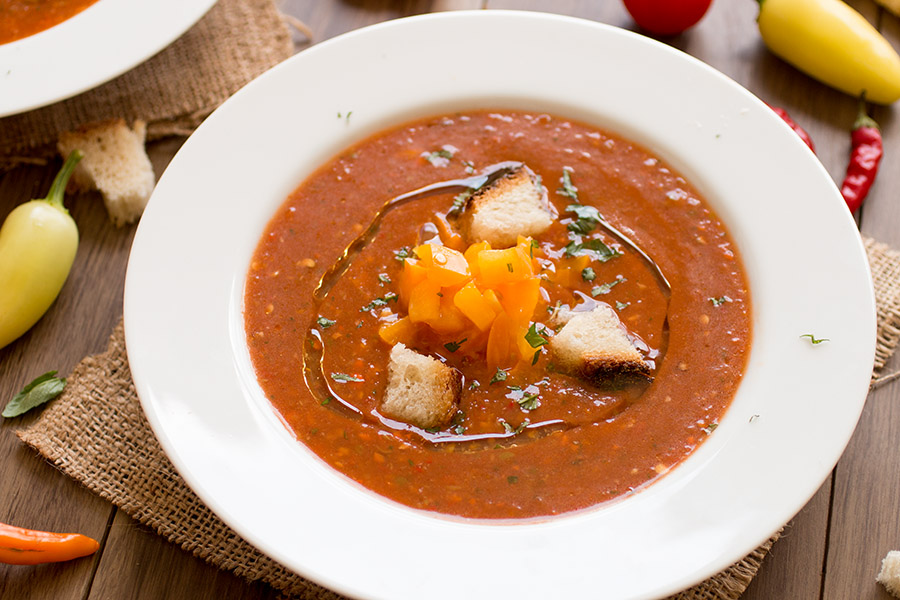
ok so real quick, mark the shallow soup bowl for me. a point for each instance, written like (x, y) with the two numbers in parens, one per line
(788, 424)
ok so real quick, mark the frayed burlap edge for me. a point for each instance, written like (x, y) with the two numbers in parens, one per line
(96, 433)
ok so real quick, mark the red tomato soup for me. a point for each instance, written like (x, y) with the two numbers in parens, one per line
(526, 437)
(22, 18)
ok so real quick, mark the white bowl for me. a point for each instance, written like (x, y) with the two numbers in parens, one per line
(99, 43)
(786, 428)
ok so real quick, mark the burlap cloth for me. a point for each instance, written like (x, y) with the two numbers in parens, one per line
(173, 91)
(96, 431)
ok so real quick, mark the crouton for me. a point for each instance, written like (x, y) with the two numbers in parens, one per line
(889, 576)
(421, 390)
(501, 211)
(115, 163)
(595, 346)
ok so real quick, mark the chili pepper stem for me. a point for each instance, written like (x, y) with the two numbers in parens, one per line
(862, 116)
(57, 189)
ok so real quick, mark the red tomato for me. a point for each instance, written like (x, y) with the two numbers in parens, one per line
(667, 17)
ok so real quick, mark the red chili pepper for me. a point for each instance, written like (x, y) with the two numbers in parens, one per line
(865, 154)
(797, 129)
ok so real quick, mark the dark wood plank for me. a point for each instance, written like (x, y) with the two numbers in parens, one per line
(866, 500)
(140, 564)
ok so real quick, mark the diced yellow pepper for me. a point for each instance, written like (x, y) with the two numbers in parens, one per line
(496, 267)
(474, 306)
(445, 266)
(412, 275)
(471, 255)
(490, 296)
(451, 320)
(424, 302)
(400, 331)
(521, 298)
(498, 346)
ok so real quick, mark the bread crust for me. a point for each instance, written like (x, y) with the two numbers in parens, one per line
(421, 390)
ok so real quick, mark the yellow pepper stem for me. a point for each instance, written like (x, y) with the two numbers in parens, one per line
(58, 188)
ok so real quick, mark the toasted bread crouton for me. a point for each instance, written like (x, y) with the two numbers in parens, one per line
(115, 163)
(594, 345)
(889, 576)
(421, 390)
(499, 212)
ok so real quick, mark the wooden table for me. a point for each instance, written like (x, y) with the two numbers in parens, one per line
(832, 549)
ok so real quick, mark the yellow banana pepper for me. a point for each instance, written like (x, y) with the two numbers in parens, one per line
(38, 242)
(833, 43)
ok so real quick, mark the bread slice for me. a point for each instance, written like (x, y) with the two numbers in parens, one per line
(891, 5)
(889, 576)
(115, 163)
(421, 390)
(594, 345)
(500, 212)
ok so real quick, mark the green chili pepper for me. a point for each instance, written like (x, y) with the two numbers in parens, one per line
(38, 242)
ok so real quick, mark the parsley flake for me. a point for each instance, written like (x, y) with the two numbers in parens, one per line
(535, 339)
(344, 378)
(720, 301)
(600, 251)
(325, 323)
(384, 278)
(383, 301)
(454, 346)
(500, 375)
(568, 190)
(606, 287)
(588, 274)
(813, 339)
(403, 253)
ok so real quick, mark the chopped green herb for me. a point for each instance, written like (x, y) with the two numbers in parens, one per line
(40, 390)
(384, 278)
(588, 274)
(403, 253)
(720, 301)
(469, 165)
(586, 218)
(383, 301)
(529, 402)
(813, 339)
(535, 339)
(458, 429)
(601, 251)
(710, 428)
(622, 305)
(507, 428)
(512, 479)
(537, 355)
(475, 384)
(325, 323)
(605, 288)
(568, 190)
(438, 158)
(454, 346)
(500, 375)
(509, 267)
(344, 378)
(459, 202)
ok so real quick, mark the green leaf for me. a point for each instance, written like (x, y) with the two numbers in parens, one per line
(384, 278)
(42, 389)
(586, 218)
(588, 274)
(500, 375)
(812, 340)
(720, 301)
(403, 253)
(535, 339)
(529, 402)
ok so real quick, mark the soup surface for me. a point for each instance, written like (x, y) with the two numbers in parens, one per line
(21, 18)
(527, 439)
